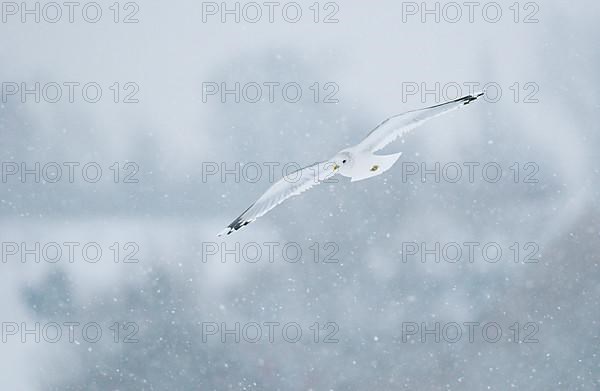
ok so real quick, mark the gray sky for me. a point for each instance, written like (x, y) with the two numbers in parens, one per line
(346, 264)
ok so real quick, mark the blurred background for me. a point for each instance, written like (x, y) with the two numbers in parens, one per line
(159, 279)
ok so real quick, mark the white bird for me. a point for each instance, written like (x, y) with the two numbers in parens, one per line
(358, 162)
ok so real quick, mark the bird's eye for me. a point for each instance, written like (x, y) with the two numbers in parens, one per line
(344, 161)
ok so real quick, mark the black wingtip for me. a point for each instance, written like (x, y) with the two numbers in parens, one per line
(470, 98)
(236, 224)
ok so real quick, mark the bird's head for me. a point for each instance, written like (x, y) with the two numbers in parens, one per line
(341, 161)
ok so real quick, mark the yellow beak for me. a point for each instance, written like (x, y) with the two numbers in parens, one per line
(335, 167)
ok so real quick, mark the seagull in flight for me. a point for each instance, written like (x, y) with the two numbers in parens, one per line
(358, 162)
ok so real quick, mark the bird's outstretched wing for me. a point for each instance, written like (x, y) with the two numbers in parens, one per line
(394, 127)
(288, 186)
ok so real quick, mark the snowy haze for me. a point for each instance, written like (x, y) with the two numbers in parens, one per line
(373, 289)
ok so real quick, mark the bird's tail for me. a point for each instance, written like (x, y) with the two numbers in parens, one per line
(373, 165)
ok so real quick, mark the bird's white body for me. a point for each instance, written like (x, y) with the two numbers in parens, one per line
(365, 165)
(358, 162)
